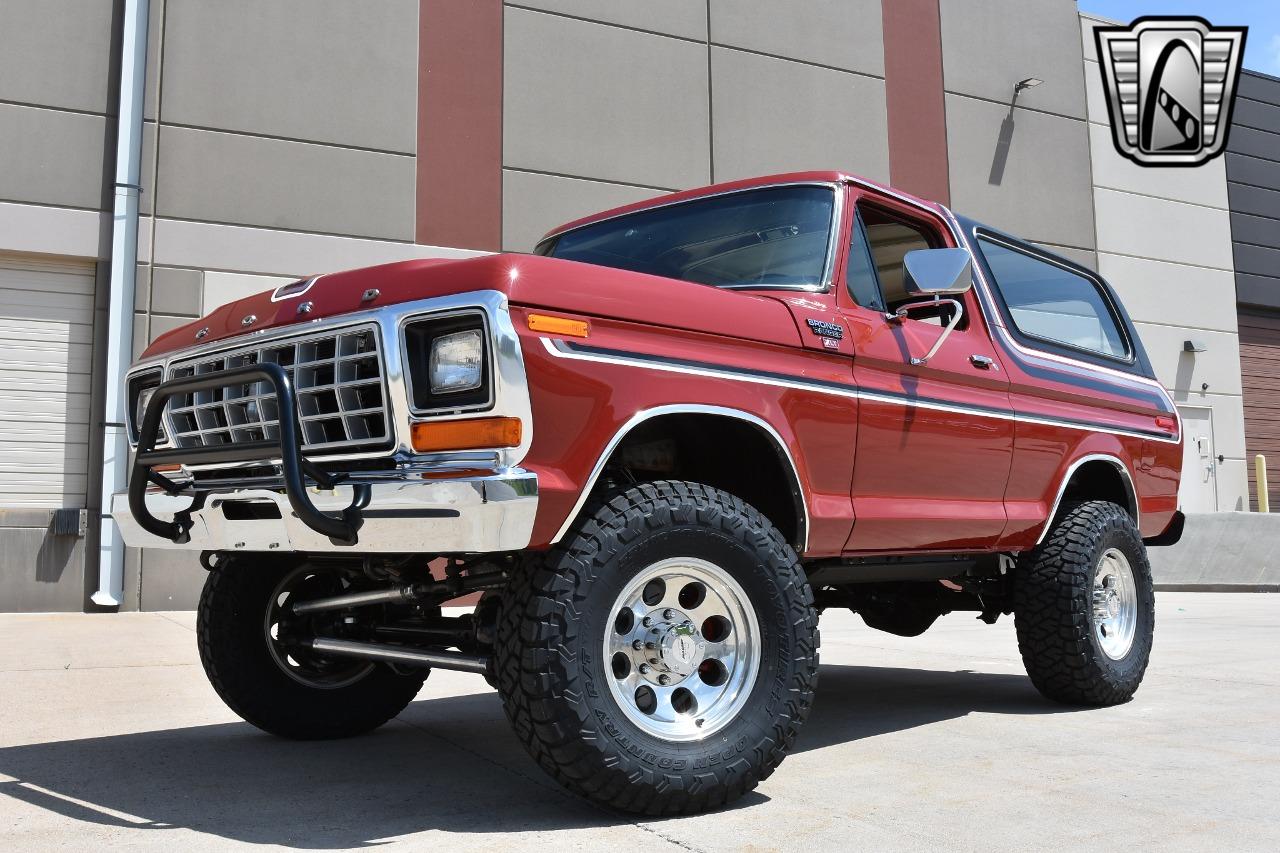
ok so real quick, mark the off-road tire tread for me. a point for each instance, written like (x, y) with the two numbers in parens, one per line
(228, 625)
(539, 616)
(1052, 594)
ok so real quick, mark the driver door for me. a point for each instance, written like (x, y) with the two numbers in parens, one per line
(935, 440)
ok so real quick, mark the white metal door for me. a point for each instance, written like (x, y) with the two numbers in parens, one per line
(46, 341)
(1198, 491)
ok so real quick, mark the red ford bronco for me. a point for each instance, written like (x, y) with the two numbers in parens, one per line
(658, 447)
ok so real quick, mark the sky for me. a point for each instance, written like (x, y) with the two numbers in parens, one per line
(1262, 17)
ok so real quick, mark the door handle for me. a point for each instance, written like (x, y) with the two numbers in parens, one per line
(983, 362)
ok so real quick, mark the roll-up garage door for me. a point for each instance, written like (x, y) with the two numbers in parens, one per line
(46, 339)
(1260, 375)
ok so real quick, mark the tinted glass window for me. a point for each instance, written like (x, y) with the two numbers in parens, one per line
(1053, 303)
(860, 272)
(773, 236)
(890, 240)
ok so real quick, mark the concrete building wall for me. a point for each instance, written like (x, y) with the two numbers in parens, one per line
(608, 103)
(1164, 243)
(1020, 164)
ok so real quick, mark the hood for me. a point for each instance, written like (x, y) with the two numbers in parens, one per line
(527, 280)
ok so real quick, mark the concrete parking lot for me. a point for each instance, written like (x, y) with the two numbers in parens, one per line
(111, 737)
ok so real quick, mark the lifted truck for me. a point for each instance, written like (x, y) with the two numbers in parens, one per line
(658, 447)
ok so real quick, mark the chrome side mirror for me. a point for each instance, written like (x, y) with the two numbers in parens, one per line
(937, 272)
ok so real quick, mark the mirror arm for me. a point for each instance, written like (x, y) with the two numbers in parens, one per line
(946, 332)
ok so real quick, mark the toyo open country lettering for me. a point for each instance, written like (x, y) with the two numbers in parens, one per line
(657, 448)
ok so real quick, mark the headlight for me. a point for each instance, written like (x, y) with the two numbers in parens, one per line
(448, 363)
(457, 362)
(141, 389)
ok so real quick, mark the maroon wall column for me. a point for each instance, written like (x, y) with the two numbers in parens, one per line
(917, 109)
(459, 199)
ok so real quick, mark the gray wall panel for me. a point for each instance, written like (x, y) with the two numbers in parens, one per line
(58, 54)
(533, 204)
(841, 33)
(53, 157)
(1251, 170)
(684, 18)
(1258, 230)
(222, 177)
(1258, 290)
(40, 572)
(774, 115)
(1254, 200)
(1260, 87)
(1027, 173)
(1255, 143)
(320, 70)
(986, 50)
(1258, 260)
(1254, 114)
(596, 101)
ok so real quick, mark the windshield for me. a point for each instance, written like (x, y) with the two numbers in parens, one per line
(771, 237)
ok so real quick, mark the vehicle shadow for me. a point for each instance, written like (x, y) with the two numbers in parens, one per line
(449, 764)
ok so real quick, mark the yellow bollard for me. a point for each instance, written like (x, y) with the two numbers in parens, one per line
(1260, 479)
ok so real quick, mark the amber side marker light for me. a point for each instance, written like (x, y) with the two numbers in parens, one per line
(559, 326)
(468, 434)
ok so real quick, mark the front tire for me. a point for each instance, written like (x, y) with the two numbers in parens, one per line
(284, 690)
(662, 658)
(1084, 607)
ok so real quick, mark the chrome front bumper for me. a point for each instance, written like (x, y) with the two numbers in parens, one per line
(405, 514)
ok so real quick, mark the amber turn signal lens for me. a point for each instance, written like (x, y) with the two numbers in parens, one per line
(559, 326)
(468, 434)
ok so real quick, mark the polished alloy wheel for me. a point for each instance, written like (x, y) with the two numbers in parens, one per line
(1115, 604)
(682, 649)
(286, 631)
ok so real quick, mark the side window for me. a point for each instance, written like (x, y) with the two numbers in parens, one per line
(1053, 303)
(861, 270)
(878, 244)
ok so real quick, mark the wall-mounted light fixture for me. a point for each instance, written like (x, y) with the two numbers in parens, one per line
(1193, 346)
(1029, 83)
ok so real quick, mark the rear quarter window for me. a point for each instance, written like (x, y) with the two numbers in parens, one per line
(1055, 304)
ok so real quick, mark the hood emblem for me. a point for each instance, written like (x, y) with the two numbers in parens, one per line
(249, 320)
(202, 333)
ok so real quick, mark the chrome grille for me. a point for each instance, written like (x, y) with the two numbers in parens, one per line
(337, 378)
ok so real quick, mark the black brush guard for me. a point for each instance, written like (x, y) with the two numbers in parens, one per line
(288, 449)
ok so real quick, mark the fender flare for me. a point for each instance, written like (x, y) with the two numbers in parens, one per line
(799, 495)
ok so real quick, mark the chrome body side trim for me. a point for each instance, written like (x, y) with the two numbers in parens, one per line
(406, 514)
(848, 391)
(697, 409)
(1066, 481)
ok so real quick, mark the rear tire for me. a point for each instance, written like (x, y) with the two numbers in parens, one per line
(1084, 607)
(701, 715)
(284, 692)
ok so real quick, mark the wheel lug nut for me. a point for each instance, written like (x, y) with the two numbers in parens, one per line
(646, 621)
(637, 645)
(664, 679)
(649, 645)
(644, 669)
(668, 614)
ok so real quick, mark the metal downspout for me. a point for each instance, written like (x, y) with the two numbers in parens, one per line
(124, 265)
